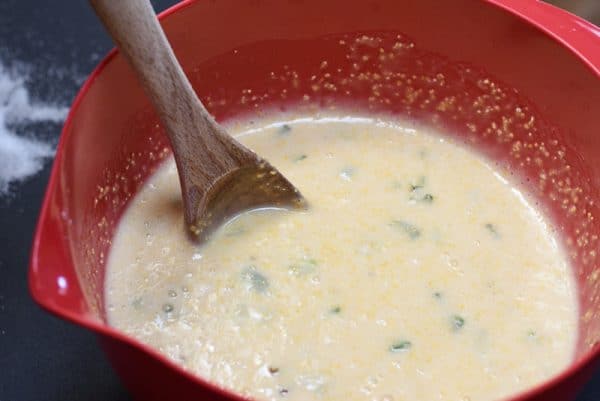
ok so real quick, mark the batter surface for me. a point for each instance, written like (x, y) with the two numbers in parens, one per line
(418, 274)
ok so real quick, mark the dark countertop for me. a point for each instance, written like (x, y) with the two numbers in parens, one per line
(41, 357)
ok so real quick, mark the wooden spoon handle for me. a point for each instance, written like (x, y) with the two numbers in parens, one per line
(219, 177)
(193, 133)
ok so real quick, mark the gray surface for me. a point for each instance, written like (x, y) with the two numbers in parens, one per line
(43, 358)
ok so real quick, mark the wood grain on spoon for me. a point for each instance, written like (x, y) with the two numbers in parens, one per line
(219, 177)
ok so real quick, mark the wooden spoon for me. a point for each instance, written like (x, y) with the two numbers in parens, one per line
(219, 177)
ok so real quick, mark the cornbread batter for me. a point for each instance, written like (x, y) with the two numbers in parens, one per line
(418, 274)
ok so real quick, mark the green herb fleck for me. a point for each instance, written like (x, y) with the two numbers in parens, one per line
(492, 229)
(437, 295)
(254, 280)
(283, 391)
(347, 173)
(335, 310)
(420, 183)
(457, 322)
(419, 196)
(428, 198)
(137, 303)
(417, 192)
(168, 308)
(303, 267)
(172, 294)
(284, 130)
(400, 346)
(533, 337)
(409, 229)
(300, 158)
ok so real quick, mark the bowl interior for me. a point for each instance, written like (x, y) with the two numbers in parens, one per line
(487, 78)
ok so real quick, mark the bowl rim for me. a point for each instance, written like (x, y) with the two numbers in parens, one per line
(580, 37)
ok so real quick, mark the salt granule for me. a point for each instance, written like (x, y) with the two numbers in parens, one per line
(22, 155)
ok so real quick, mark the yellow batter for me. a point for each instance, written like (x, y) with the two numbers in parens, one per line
(418, 274)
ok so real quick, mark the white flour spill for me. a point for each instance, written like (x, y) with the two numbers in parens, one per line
(22, 154)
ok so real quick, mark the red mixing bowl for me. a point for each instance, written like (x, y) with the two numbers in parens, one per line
(517, 79)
